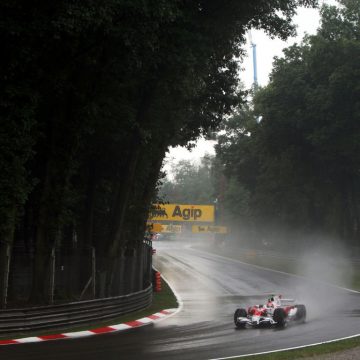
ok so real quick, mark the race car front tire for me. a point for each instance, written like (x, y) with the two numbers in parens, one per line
(240, 313)
(280, 317)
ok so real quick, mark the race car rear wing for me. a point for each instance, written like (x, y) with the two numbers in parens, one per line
(286, 301)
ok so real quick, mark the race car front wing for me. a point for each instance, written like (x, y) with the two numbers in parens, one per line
(256, 321)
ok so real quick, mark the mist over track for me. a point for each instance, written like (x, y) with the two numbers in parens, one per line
(211, 287)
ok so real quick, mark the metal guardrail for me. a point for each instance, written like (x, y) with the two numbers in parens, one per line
(72, 314)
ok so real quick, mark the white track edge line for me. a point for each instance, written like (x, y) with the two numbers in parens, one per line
(287, 349)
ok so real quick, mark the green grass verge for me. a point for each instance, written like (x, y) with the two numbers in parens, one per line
(356, 280)
(165, 299)
(311, 351)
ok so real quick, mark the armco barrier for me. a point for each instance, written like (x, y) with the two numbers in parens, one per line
(72, 314)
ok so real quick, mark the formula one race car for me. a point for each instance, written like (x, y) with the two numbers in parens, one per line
(277, 312)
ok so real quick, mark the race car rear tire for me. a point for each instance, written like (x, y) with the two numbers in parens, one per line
(240, 313)
(300, 313)
(280, 317)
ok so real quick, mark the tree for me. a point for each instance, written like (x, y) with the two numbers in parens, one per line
(300, 162)
(94, 94)
(191, 184)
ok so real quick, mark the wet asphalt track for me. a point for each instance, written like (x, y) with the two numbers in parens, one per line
(211, 288)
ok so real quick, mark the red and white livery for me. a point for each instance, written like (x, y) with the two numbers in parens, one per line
(275, 312)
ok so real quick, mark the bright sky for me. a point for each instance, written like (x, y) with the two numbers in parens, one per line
(307, 21)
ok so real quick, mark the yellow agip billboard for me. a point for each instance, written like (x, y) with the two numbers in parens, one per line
(177, 212)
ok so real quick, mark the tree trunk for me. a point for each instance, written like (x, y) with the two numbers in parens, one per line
(38, 293)
(88, 227)
(125, 188)
(6, 242)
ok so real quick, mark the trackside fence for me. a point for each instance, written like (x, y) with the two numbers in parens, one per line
(77, 275)
(72, 314)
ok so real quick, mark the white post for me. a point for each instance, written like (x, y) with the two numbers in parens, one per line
(93, 270)
(52, 276)
(6, 278)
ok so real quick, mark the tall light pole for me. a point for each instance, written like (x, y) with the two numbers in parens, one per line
(253, 46)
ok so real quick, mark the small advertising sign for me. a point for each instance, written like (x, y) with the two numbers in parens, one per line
(209, 229)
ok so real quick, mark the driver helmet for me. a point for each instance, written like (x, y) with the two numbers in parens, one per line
(270, 302)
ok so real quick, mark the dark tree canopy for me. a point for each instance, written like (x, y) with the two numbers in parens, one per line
(93, 93)
(190, 183)
(299, 165)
